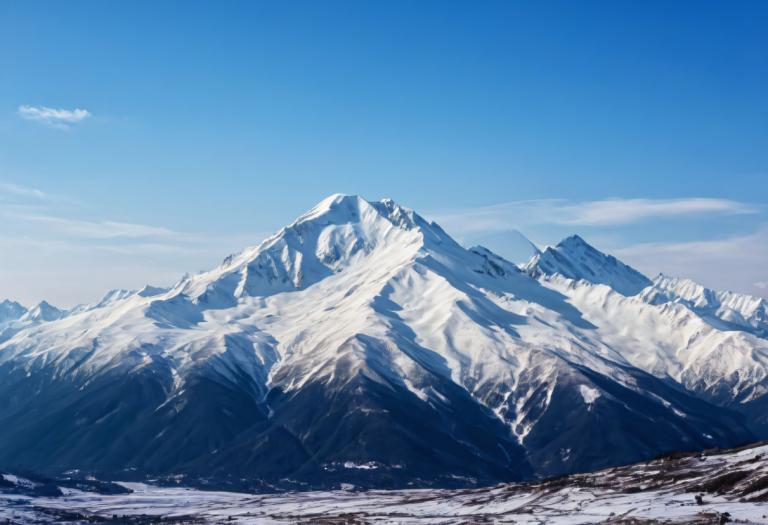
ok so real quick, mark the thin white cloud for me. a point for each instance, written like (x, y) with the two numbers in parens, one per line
(497, 217)
(626, 211)
(70, 260)
(17, 190)
(56, 118)
(97, 229)
(738, 263)
(606, 212)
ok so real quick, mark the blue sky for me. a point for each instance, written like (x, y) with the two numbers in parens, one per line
(204, 126)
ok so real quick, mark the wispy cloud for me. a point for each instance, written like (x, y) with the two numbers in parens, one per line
(56, 118)
(625, 211)
(16, 190)
(98, 229)
(738, 262)
(606, 212)
(51, 252)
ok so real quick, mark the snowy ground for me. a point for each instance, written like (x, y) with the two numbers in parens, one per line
(659, 491)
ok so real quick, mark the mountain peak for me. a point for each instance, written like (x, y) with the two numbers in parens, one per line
(575, 258)
(333, 203)
(10, 310)
(574, 241)
(148, 291)
(43, 311)
(337, 232)
(340, 208)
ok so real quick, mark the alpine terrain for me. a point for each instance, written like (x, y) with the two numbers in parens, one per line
(701, 488)
(362, 344)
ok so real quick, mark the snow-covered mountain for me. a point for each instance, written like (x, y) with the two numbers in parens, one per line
(10, 311)
(575, 259)
(725, 310)
(42, 312)
(14, 317)
(362, 342)
(711, 343)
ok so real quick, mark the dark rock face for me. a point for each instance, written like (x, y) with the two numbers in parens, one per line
(320, 435)
(625, 427)
(316, 436)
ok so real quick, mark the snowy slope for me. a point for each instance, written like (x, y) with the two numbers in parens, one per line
(731, 484)
(725, 310)
(711, 343)
(669, 340)
(14, 317)
(362, 342)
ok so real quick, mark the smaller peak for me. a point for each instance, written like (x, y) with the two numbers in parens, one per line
(573, 241)
(8, 303)
(43, 311)
(574, 238)
(574, 258)
(10, 310)
(151, 291)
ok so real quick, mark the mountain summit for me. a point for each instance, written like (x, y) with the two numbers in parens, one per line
(575, 259)
(339, 232)
(42, 311)
(10, 311)
(362, 344)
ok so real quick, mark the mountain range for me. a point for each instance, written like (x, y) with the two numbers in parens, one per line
(362, 344)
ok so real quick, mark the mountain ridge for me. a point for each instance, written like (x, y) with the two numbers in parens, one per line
(361, 334)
